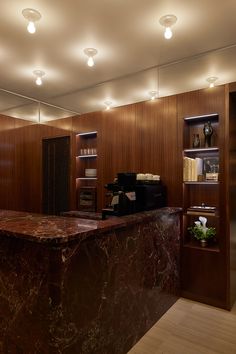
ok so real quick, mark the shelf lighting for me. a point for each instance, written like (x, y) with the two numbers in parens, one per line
(39, 74)
(31, 16)
(168, 21)
(87, 133)
(211, 80)
(90, 52)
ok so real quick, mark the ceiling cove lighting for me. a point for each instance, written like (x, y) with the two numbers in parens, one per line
(211, 80)
(90, 52)
(168, 21)
(31, 16)
(153, 95)
(108, 105)
(39, 74)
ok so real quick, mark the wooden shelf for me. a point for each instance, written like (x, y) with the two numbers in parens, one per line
(87, 134)
(201, 183)
(196, 150)
(202, 118)
(86, 178)
(87, 156)
(201, 213)
(196, 245)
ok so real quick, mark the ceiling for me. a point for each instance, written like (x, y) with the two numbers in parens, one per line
(133, 56)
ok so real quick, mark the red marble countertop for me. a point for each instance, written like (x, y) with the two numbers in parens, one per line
(59, 229)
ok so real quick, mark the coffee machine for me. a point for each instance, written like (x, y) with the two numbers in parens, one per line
(128, 196)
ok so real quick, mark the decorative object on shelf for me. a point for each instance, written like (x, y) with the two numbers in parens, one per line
(208, 131)
(196, 141)
(211, 168)
(201, 232)
(90, 172)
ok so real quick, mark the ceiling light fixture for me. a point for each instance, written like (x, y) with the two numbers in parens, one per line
(32, 16)
(211, 80)
(168, 21)
(153, 95)
(108, 105)
(39, 74)
(90, 52)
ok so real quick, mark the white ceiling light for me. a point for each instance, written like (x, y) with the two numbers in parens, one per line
(90, 52)
(153, 95)
(39, 74)
(211, 80)
(108, 104)
(168, 21)
(32, 16)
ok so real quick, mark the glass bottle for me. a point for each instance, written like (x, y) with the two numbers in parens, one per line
(196, 141)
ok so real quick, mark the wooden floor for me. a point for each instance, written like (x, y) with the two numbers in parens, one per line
(191, 328)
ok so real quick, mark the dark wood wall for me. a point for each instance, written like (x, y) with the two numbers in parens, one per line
(142, 137)
(21, 162)
(232, 188)
(205, 275)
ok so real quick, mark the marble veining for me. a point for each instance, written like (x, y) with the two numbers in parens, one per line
(93, 291)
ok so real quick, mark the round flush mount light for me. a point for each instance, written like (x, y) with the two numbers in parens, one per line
(153, 95)
(39, 74)
(90, 52)
(31, 16)
(168, 21)
(211, 80)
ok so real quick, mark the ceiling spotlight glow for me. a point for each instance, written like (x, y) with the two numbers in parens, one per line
(108, 105)
(31, 16)
(168, 21)
(211, 80)
(90, 52)
(153, 95)
(39, 74)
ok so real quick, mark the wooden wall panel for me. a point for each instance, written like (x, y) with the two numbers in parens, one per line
(142, 137)
(21, 162)
(157, 143)
(232, 190)
(7, 165)
(203, 102)
(33, 137)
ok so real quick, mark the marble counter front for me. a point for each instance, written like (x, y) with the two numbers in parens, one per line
(79, 286)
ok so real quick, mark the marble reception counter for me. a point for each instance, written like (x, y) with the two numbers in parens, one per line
(79, 286)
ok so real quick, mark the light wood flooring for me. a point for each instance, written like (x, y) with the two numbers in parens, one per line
(191, 328)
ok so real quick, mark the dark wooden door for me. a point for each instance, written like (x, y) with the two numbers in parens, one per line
(56, 162)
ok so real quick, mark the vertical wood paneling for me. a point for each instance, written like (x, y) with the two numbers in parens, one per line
(212, 286)
(142, 137)
(21, 162)
(158, 149)
(7, 166)
(232, 190)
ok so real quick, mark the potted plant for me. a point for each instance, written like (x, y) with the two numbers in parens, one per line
(201, 232)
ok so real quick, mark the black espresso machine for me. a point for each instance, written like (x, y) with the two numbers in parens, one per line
(128, 196)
